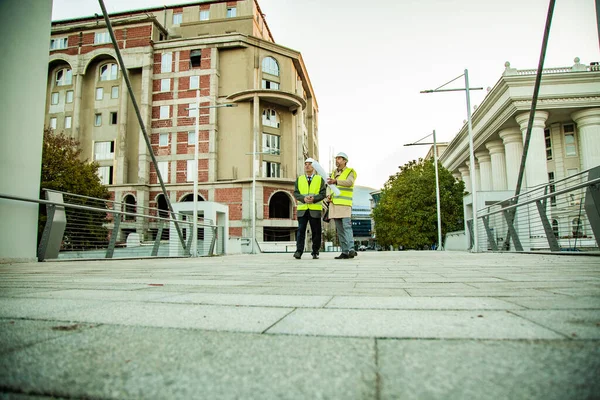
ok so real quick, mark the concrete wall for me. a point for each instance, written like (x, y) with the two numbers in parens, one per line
(24, 40)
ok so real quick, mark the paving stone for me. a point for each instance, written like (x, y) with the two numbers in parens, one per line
(423, 303)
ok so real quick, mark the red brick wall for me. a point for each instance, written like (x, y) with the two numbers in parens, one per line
(267, 193)
(235, 232)
(233, 198)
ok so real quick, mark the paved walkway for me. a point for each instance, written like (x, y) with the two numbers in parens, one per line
(385, 325)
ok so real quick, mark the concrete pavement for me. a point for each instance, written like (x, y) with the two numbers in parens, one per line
(385, 325)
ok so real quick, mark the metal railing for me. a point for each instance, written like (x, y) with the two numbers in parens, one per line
(558, 216)
(79, 227)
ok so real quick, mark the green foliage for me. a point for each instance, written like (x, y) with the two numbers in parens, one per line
(406, 214)
(63, 170)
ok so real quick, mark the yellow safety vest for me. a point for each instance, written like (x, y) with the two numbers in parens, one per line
(304, 189)
(345, 197)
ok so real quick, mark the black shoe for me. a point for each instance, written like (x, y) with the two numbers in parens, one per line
(342, 256)
(297, 255)
(315, 256)
(352, 254)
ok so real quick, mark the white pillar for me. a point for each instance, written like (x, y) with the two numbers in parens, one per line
(457, 175)
(496, 149)
(466, 178)
(513, 146)
(588, 129)
(485, 170)
(475, 175)
(535, 166)
(24, 40)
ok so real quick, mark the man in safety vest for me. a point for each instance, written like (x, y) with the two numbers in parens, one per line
(309, 191)
(340, 206)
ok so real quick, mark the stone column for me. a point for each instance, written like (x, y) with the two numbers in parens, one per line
(535, 166)
(77, 92)
(513, 146)
(24, 39)
(496, 149)
(475, 175)
(588, 129)
(466, 178)
(485, 170)
(457, 175)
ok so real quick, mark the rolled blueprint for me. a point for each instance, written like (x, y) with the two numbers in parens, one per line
(321, 172)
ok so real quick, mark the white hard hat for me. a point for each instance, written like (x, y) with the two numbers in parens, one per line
(342, 154)
(310, 160)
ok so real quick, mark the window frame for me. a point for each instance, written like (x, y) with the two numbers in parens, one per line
(189, 177)
(162, 143)
(66, 79)
(112, 72)
(162, 114)
(191, 134)
(99, 90)
(166, 62)
(177, 18)
(271, 144)
(204, 12)
(272, 66)
(270, 85)
(573, 144)
(165, 82)
(102, 37)
(108, 175)
(197, 80)
(195, 58)
(163, 167)
(231, 12)
(69, 96)
(548, 142)
(70, 124)
(112, 92)
(100, 147)
(52, 123)
(97, 119)
(61, 43)
(54, 98)
(272, 117)
(113, 118)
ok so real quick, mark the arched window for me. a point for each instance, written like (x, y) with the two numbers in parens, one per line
(270, 66)
(280, 206)
(161, 204)
(108, 72)
(190, 197)
(129, 207)
(64, 77)
(555, 227)
(270, 118)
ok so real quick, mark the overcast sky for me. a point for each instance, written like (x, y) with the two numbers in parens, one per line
(368, 60)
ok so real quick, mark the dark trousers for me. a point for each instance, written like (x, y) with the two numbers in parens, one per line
(315, 227)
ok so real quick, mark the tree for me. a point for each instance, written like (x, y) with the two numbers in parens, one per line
(406, 214)
(63, 170)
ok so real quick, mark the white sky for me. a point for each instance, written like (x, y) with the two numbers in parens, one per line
(367, 62)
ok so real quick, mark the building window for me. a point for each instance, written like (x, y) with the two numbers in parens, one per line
(190, 170)
(165, 85)
(270, 85)
(101, 37)
(108, 72)
(192, 109)
(64, 77)
(270, 118)
(53, 123)
(548, 144)
(113, 118)
(231, 12)
(97, 119)
(271, 144)
(270, 66)
(195, 58)
(68, 122)
(194, 82)
(163, 139)
(271, 169)
(56, 44)
(163, 168)
(191, 138)
(204, 15)
(99, 93)
(166, 62)
(69, 96)
(552, 188)
(104, 151)
(577, 227)
(54, 98)
(114, 92)
(106, 175)
(164, 112)
(177, 18)
(570, 143)
(555, 228)
(129, 207)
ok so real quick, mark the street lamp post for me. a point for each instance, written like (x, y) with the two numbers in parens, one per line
(197, 131)
(437, 185)
(467, 89)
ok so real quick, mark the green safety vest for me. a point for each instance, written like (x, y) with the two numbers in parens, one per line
(345, 197)
(304, 189)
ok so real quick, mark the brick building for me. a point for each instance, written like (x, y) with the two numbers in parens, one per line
(222, 48)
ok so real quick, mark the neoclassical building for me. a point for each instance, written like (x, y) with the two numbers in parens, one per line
(565, 137)
(222, 48)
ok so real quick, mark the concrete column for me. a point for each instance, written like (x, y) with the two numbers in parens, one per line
(24, 40)
(588, 129)
(466, 177)
(496, 149)
(485, 170)
(77, 92)
(475, 174)
(145, 105)
(457, 175)
(121, 142)
(513, 146)
(535, 166)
